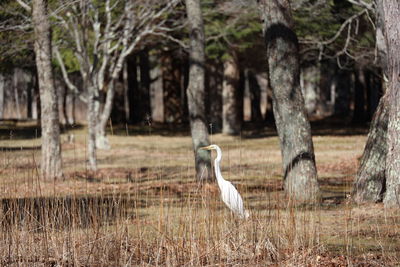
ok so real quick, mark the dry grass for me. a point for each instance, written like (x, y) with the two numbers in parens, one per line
(143, 208)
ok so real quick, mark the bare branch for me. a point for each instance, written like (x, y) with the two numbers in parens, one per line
(68, 82)
(361, 3)
(24, 5)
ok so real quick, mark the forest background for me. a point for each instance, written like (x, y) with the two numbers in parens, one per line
(122, 106)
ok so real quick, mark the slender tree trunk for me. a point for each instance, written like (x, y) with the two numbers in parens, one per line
(101, 137)
(300, 175)
(391, 9)
(132, 85)
(145, 80)
(342, 94)
(214, 78)
(230, 107)
(310, 81)
(65, 104)
(255, 97)
(359, 96)
(16, 77)
(171, 76)
(196, 91)
(370, 181)
(51, 148)
(2, 85)
(29, 100)
(92, 123)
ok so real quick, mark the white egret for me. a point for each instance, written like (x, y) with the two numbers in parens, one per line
(230, 196)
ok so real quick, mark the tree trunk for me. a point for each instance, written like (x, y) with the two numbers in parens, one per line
(92, 123)
(2, 86)
(132, 85)
(342, 94)
(101, 136)
(310, 76)
(391, 9)
(196, 91)
(230, 107)
(171, 77)
(51, 148)
(16, 83)
(359, 96)
(300, 175)
(144, 88)
(29, 100)
(214, 78)
(255, 97)
(370, 181)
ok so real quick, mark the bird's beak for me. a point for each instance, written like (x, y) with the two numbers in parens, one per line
(206, 148)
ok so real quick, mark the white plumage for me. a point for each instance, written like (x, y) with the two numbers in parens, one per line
(230, 196)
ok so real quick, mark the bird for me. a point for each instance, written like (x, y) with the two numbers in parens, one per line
(229, 195)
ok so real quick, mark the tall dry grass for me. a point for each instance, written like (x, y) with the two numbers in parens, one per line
(145, 209)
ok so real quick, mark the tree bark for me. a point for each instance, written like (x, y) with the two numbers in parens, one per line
(370, 181)
(391, 9)
(92, 123)
(300, 175)
(196, 91)
(51, 148)
(230, 89)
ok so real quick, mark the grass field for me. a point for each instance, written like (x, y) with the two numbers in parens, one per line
(144, 208)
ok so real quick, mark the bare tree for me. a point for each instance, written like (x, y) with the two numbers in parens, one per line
(102, 38)
(196, 90)
(288, 104)
(391, 10)
(51, 148)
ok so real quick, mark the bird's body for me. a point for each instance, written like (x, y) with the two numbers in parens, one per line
(230, 196)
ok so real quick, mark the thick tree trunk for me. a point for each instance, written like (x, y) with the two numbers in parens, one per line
(391, 9)
(51, 148)
(196, 91)
(300, 174)
(370, 180)
(231, 123)
(255, 97)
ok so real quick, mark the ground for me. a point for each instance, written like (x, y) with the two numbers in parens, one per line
(144, 207)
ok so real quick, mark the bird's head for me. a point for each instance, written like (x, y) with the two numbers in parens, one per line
(210, 147)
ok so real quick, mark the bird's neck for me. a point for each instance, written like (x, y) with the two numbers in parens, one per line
(217, 161)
